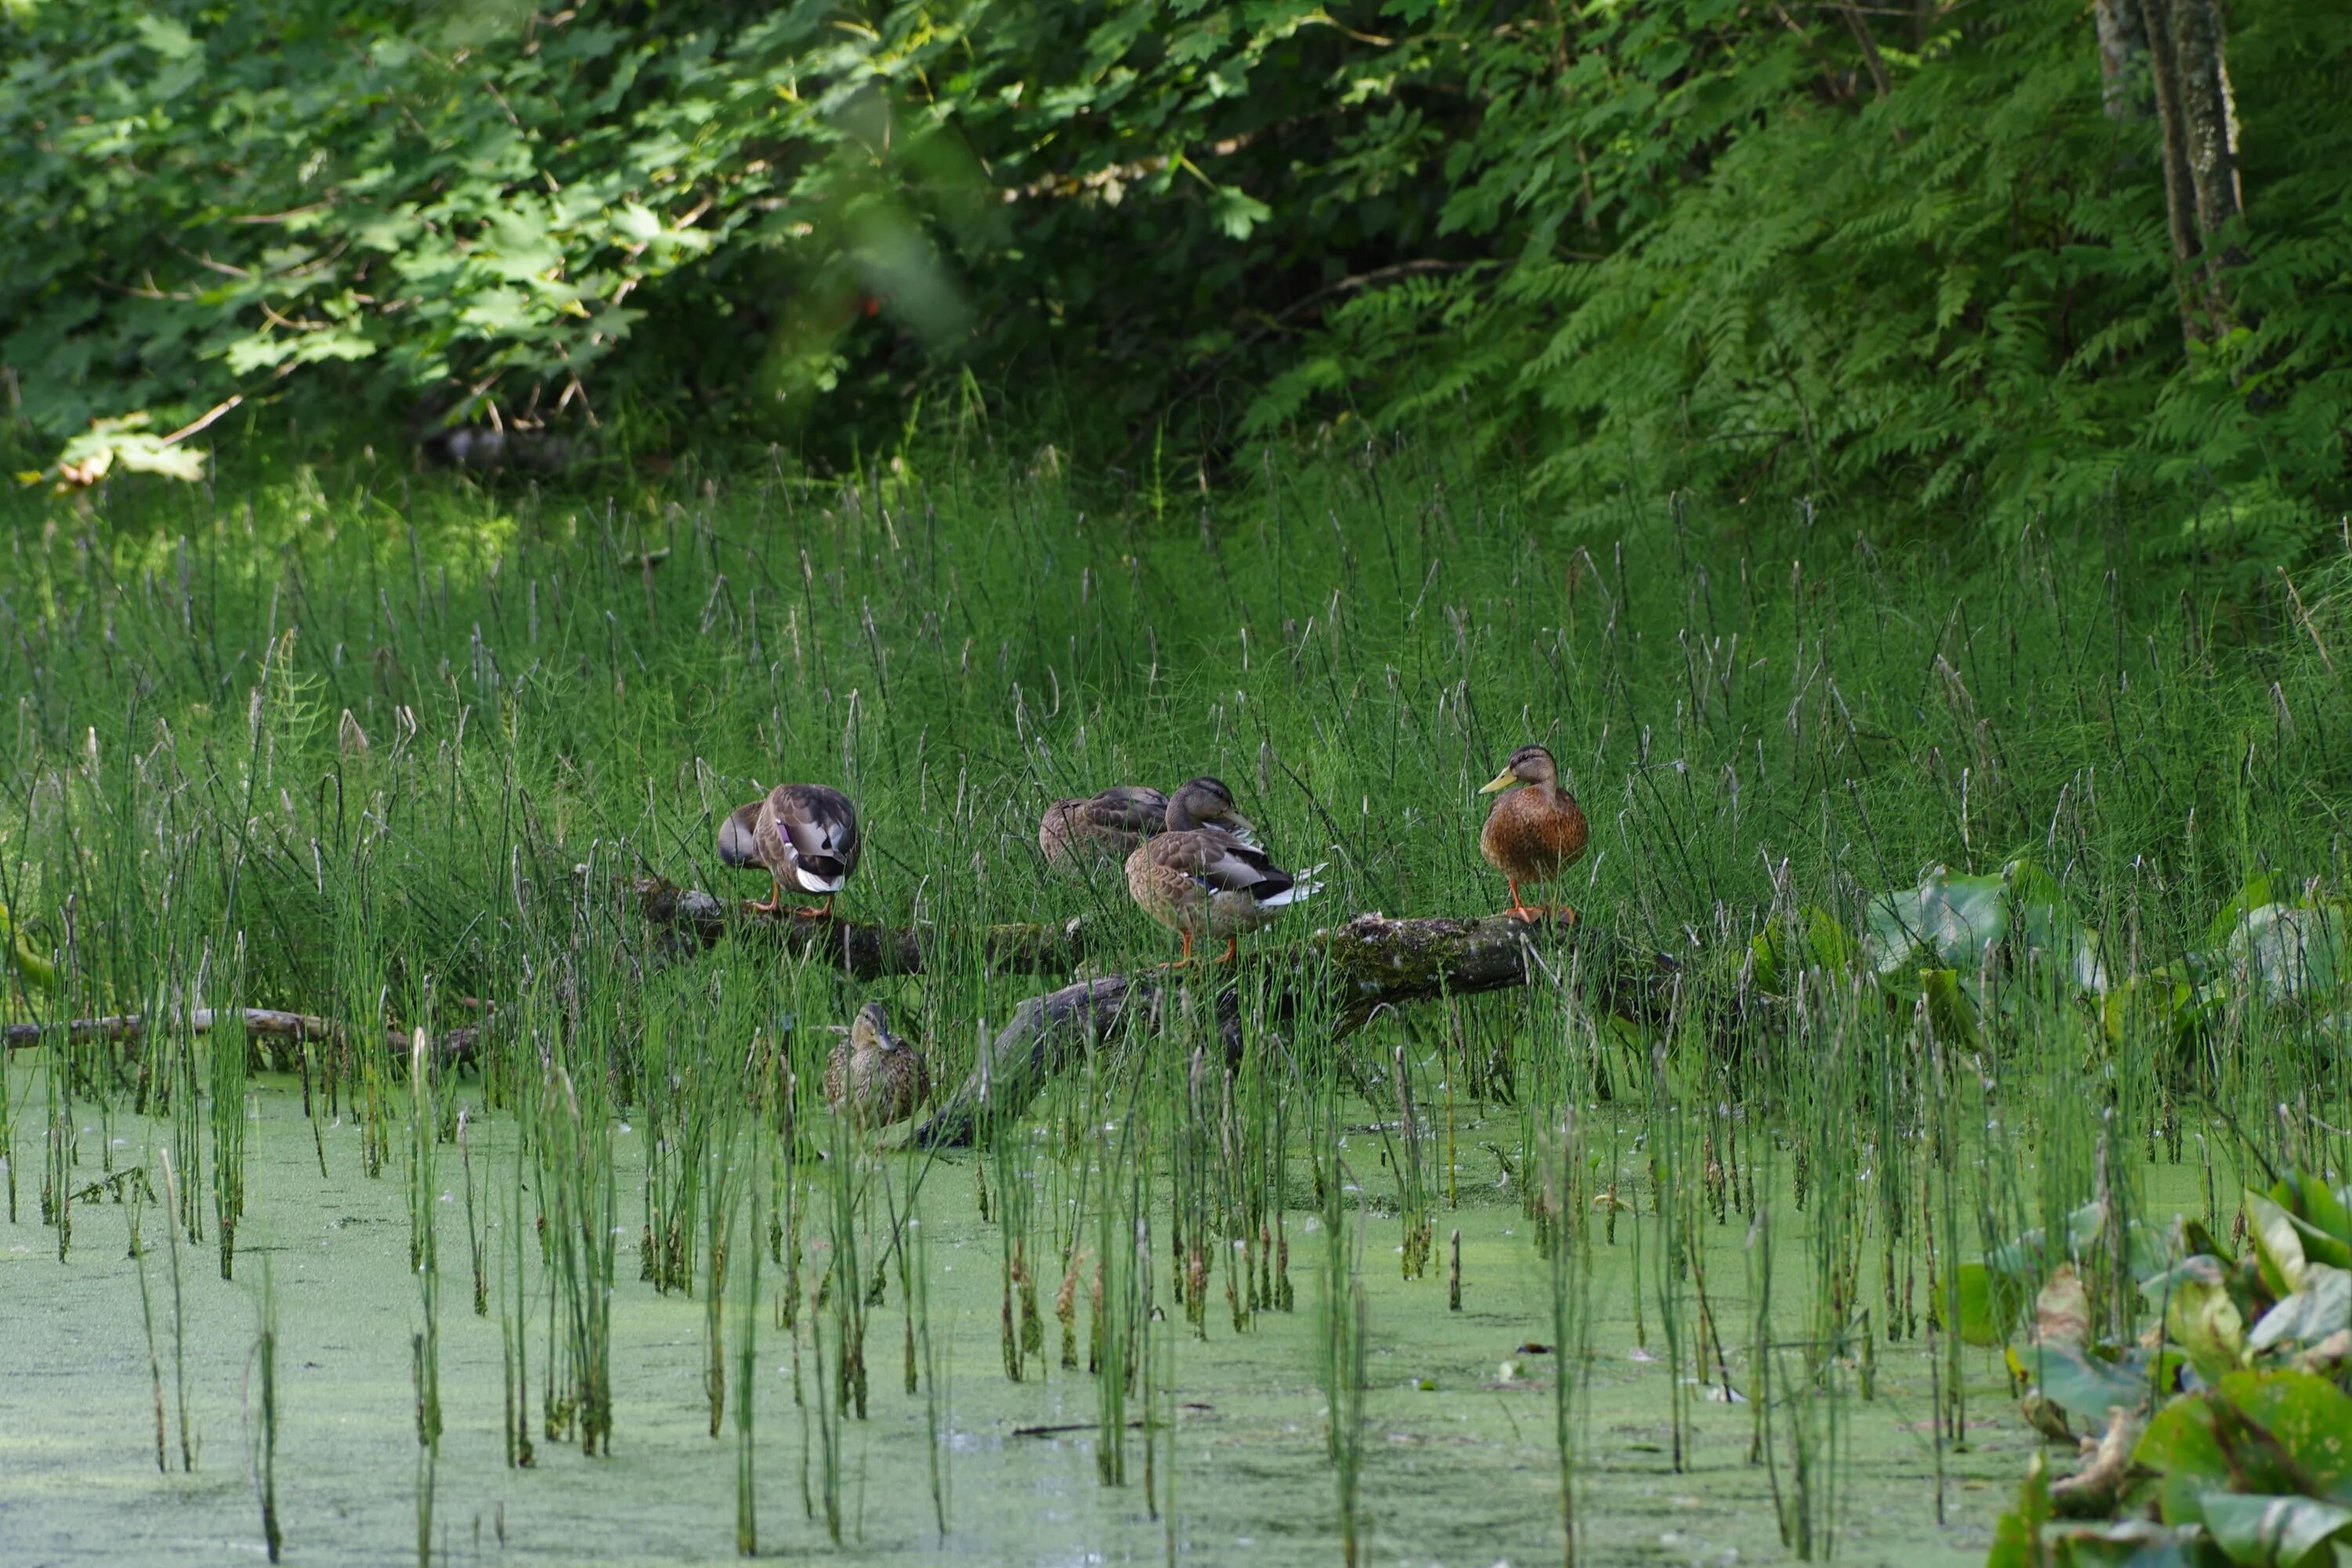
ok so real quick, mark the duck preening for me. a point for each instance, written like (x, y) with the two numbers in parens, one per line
(1075, 834)
(872, 1077)
(1205, 875)
(1535, 830)
(804, 835)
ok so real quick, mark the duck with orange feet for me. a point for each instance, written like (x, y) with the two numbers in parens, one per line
(1205, 877)
(803, 836)
(1536, 831)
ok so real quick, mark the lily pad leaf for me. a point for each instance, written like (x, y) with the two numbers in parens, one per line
(2308, 1316)
(2289, 950)
(2290, 1531)
(2278, 1246)
(2082, 1384)
(1990, 1301)
(1950, 918)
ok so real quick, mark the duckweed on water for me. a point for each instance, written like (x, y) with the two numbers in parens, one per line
(1990, 895)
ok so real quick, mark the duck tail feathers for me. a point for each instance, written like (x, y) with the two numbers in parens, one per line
(1303, 886)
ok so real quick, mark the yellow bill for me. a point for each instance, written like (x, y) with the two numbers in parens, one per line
(1501, 780)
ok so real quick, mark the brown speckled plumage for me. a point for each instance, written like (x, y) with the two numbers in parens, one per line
(1075, 834)
(1535, 830)
(1204, 876)
(872, 1077)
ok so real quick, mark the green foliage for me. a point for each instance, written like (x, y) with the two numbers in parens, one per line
(2228, 1416)
(1702, 243)
(1732, 269)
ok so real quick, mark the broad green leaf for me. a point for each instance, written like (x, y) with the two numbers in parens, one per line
(2083, 1386)
(2308, 1419)
(1822, 944)
(2017, 1539)
(1237, 212)
(37, 971)
(2320, 1215)
(1950, 919)
(1990, 1302)
(1949, 1008)
(2278, 1246)
(166, 35)
(2205, 1323)
(2180, 1447)
(2045, 930)
(2289, 1531)
(2289, 950)
(2198, 1268)
(2253, 895)
(2309, 1315)
(2130, 1543)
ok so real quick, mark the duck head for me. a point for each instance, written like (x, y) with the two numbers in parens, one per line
(1206, 803)
(1528, 765)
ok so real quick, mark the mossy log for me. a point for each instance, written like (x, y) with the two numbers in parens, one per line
(1357, 970)
(1361, 968)
(858, 948)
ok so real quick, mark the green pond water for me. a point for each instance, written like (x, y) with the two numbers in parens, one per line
(1459, 1465)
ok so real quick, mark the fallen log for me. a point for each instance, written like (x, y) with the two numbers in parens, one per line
(1361, 968)
(1358, 969)
(860, 949)
(453, 1047)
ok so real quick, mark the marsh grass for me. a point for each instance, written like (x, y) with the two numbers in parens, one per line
(265, 1446)
(1765, 719)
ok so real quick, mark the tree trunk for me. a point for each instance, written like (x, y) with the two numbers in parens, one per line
(2199, 140)
(2123, 86)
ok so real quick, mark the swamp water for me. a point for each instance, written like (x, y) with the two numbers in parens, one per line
(1459, 1466)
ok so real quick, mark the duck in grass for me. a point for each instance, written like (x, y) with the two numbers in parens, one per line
(872, 1077)
(804, 835)
(1206, 877)
(1535, 830)
(1075, 834)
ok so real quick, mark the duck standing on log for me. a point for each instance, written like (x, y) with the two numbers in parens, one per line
(1075, 834)
(805, 835)
(1536, 831)
(1205, 877)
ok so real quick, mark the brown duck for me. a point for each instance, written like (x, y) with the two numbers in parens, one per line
(1536, 831)
(1075, 834)
(1206, 877)
(872, 1077)
(805, 835)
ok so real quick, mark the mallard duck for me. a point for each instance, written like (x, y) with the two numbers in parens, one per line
(872, 1077)
(1206, 877)
(1536, 831)
(1074, 832)
(803, 834)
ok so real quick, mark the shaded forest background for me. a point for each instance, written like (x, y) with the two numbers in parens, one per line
(1967, 265)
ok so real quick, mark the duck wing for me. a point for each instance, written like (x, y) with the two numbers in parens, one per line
(1126, 808)
(1222, 863)
(818, 826)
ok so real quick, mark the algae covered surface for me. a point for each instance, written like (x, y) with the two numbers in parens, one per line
(1459, 1466)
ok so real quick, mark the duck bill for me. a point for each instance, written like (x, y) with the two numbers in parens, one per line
(1242, 829)
(1499, 783)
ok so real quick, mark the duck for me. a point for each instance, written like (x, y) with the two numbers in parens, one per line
(802, 834)
(1078, 833)
(1206, 877)
(872, 1077)
(1536, 831)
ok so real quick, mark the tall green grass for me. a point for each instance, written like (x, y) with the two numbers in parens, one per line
(372, 747)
